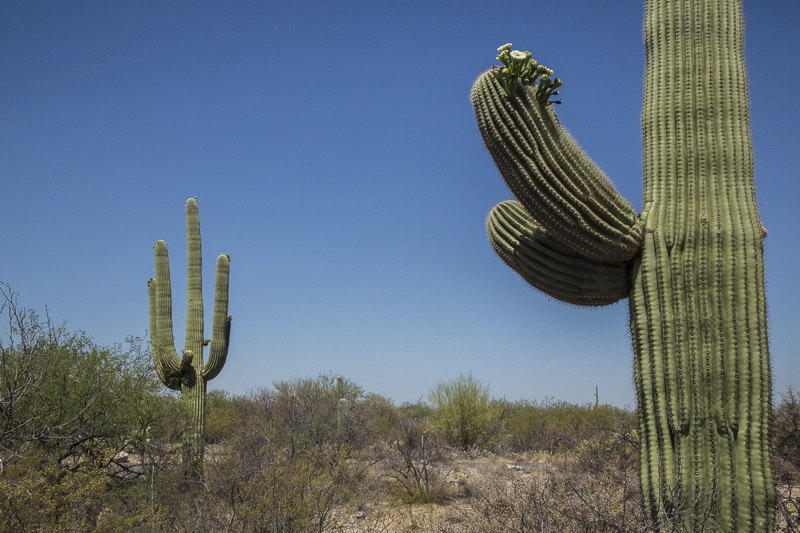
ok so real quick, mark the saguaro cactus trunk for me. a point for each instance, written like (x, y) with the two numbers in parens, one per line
(188, 374)
(691, 263)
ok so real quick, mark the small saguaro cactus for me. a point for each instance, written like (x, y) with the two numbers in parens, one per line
(188, 373)
(342, 408)
(690, 265)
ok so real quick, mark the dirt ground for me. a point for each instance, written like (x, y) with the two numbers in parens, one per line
(452, 514)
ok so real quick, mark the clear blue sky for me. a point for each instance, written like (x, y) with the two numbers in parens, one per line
(334, 154)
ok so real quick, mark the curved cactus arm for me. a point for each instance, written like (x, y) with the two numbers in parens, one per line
(548, 265)
(562, 189)
(194, 266)
(159, 290)
(221, 326)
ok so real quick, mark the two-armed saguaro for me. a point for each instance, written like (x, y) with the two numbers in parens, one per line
(188, 373)
(691, 264)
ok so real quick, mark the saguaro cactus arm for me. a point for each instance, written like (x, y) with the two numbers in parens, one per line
(548, 265)
(221, 326)
(169, 366)
(561, 188)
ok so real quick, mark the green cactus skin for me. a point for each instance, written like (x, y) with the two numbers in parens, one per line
(188, 374)
(694, 256)
(550, 266)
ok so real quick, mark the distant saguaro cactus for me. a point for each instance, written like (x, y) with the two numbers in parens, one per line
(691, 264)
(188, 374)
(342, 408)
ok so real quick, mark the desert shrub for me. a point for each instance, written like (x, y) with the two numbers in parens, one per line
(613, 446)
(263, 480)
(553, 426)
(223, 412)
(69, 411)
(63, 394)
(36, 494)
(462, 411)
(276, 491)
(786, 437)
(594, 487)
(376, 418)
(417, 410)
(307, 409)
(561, 498)
(414, 460)
(786, 459)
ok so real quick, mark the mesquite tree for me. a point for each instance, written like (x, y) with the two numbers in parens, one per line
(690, 264)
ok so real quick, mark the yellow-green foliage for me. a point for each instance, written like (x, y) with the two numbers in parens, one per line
(36, 494)
(551, 426)
(223, 415)
(463, 412)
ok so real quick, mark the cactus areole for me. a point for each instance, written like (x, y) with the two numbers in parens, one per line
(187, 373)
(690, 265)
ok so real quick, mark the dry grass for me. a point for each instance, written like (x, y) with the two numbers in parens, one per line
(494, 494)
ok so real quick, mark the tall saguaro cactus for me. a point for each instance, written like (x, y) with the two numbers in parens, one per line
(691, 264)
(188, 373)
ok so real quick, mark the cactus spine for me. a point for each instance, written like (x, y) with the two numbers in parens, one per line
(188, 373)
(691, 264)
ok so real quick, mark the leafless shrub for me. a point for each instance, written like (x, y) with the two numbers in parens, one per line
(786, 460)
(414, 462)
(26, 361)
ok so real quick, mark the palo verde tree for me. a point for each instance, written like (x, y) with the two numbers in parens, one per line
(463, 410)
(188, 373)
(691, 264)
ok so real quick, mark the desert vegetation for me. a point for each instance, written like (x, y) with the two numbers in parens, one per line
(91, 441)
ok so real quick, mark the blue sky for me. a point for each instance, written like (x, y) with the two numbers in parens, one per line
(334, 154)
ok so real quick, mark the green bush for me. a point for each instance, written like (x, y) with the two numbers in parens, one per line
(462, 411)
(553, 426)
(223, 415)
(69, 411)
